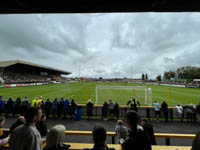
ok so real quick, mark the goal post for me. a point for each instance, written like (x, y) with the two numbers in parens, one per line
(122, 94)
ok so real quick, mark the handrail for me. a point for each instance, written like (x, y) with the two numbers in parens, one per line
(123, 106)
(158, 135)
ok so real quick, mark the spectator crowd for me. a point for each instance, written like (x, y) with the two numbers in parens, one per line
(31, 126)
(10, 77)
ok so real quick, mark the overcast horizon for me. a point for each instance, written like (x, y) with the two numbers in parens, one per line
(103, 45)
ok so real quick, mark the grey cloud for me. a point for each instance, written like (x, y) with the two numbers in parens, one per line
(108, 45)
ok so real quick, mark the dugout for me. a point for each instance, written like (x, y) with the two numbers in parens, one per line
(23, 67)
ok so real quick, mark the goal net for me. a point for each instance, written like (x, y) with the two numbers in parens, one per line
(122, 94)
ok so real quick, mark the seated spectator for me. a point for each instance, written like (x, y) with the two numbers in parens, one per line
(42, 126)
(27, 137)
(137, 139)
(121, 132)
(99, 138)
(148, 128)
(3, 140)
(55, 138)
(19, 122)
(180, 112)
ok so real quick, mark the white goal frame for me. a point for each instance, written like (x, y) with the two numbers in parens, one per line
(147, 91)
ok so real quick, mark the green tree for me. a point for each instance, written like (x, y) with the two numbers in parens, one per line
(146, 76)
(143, 76)
(158, 77)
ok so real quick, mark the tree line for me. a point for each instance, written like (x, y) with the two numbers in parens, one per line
(188, 73)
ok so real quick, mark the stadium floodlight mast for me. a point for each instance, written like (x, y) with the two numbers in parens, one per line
(123, 93)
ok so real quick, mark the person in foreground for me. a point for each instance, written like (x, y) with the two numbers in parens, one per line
(138, 139)
(27, 137)
(3, 139)
(99, 138)
(55, 138)
(19, 122)
(42, 126)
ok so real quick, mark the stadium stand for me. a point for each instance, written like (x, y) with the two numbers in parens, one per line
(18, 72)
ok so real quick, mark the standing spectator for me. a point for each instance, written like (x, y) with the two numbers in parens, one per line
(24, 105)
(19, 122)
(116, 110)
(47, 107)
(180, 112)
(9, 106)
(16, 106)
(3, 140)
(121, 132)
(157, 110)
(99, 138)
(148, 128)
(2, 105)
(198, 111)
(89, 107)
(138, 139)
(42, 126)
(66, 107)
(54, 107)
(27, 137)
(164, 107)
(111, 108)
(39, 102)
(60, 108)
(34, 102)
(73, 107)
(55, 138)
(104, 111)
(133, 104)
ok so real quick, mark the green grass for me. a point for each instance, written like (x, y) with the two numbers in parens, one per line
(81, 92)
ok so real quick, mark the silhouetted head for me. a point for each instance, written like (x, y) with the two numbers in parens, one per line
(99, 134)
(132, 119)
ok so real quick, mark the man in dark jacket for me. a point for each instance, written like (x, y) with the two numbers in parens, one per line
(42, 126)
(116, 110)
(2, 105)
(73, 107)
(9, 106)
(99, 138)
(60, 107)
(55, 107)
(164, 108)
(47, 107)
(148, 128)
(66, 107)
(138, 139)
(105, 110)
(89, 107)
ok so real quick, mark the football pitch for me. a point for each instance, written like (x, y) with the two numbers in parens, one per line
(82, 91)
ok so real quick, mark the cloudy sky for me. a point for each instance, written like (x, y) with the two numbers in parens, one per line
(107, 45)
